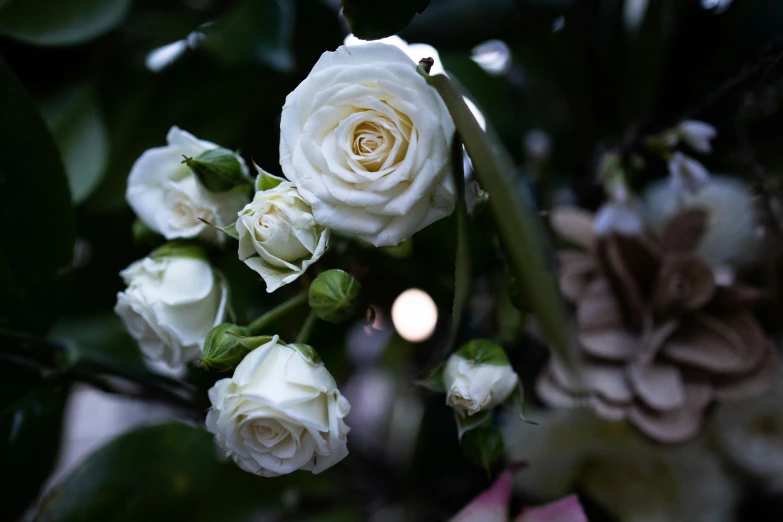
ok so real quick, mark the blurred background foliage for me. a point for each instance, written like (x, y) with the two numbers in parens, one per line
(74, 79)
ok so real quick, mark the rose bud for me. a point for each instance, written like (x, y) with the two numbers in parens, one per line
(335, 296)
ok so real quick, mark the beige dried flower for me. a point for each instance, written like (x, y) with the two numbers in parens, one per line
(662, 339)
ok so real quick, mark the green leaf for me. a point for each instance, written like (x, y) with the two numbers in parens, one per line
(178, 248)
(482, 351)
(30, 433)
(79, 131)
(515, 220)
(373, 20)
(164, 473)
(230, 230)
(58, 22)
(99, 344)
(483, 446)
(434, 381)
(466, 423)
(35, 259)
(218, 170)
(308, 352)
(265, 180)
(255, 31)
(251, 343)
(516, 403)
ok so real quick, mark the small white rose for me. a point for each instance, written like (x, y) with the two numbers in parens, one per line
(688, 176)
(170, 305)
(168, 198)
(280, 412)
(278, 235)
(367, 143)
(697, 135)
(476, 384)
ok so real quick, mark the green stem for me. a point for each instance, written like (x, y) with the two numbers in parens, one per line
(307, 328)
(257, 326)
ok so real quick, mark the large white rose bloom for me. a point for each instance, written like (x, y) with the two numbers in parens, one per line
(367, 142)
(472, 387)
(168, 198)
(280, 412)
(170, 305)
(278, 235)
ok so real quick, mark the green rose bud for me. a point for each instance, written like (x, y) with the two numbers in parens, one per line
(218, 170)
(223, 347)
(334, 296)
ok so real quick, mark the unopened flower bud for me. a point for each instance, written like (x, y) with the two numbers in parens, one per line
(218, 170)
(478, 377)
(334, 296)
(223, 349)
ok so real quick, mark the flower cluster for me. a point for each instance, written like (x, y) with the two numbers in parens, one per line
(365, 145)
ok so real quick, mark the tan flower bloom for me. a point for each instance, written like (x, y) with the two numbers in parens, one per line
(662, 339)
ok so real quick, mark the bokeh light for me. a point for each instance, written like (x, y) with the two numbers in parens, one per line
(414, 315)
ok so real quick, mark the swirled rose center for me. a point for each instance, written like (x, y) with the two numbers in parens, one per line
(377, 140)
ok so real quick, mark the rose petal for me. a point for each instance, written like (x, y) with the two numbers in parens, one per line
(567, 509)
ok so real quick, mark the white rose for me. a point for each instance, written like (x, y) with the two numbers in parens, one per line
(417, 51)
(473, 386)
(280, 412)
(278, 235)
(170, 305)
(367, 142)
(168, 198)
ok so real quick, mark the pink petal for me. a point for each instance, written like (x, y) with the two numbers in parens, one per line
(490, 506)
(566, 509)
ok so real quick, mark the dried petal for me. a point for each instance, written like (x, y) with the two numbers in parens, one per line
(607, 410)
(729, 343)
(684, 231)
(753, 384)
(659, 385)
(576, 269)
(685, 283)
(678, 425)
(552, 394)
(615, 344)
(598, 309)
(573, 224)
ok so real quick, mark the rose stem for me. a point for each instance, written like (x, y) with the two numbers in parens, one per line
(307, 328)
(257, 326)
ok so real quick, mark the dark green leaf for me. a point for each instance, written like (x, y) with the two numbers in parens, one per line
(164, 473)
(515, 219)
(255, 31)
(218, 170)
(35, 259)
(483, 446)
(78, 129)
(373, 20)
(434, 381)
(265, 180)
(58, 22)
(466, 423)
(30, 433)
(99, 344)
(482, 351)
(516, 403)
